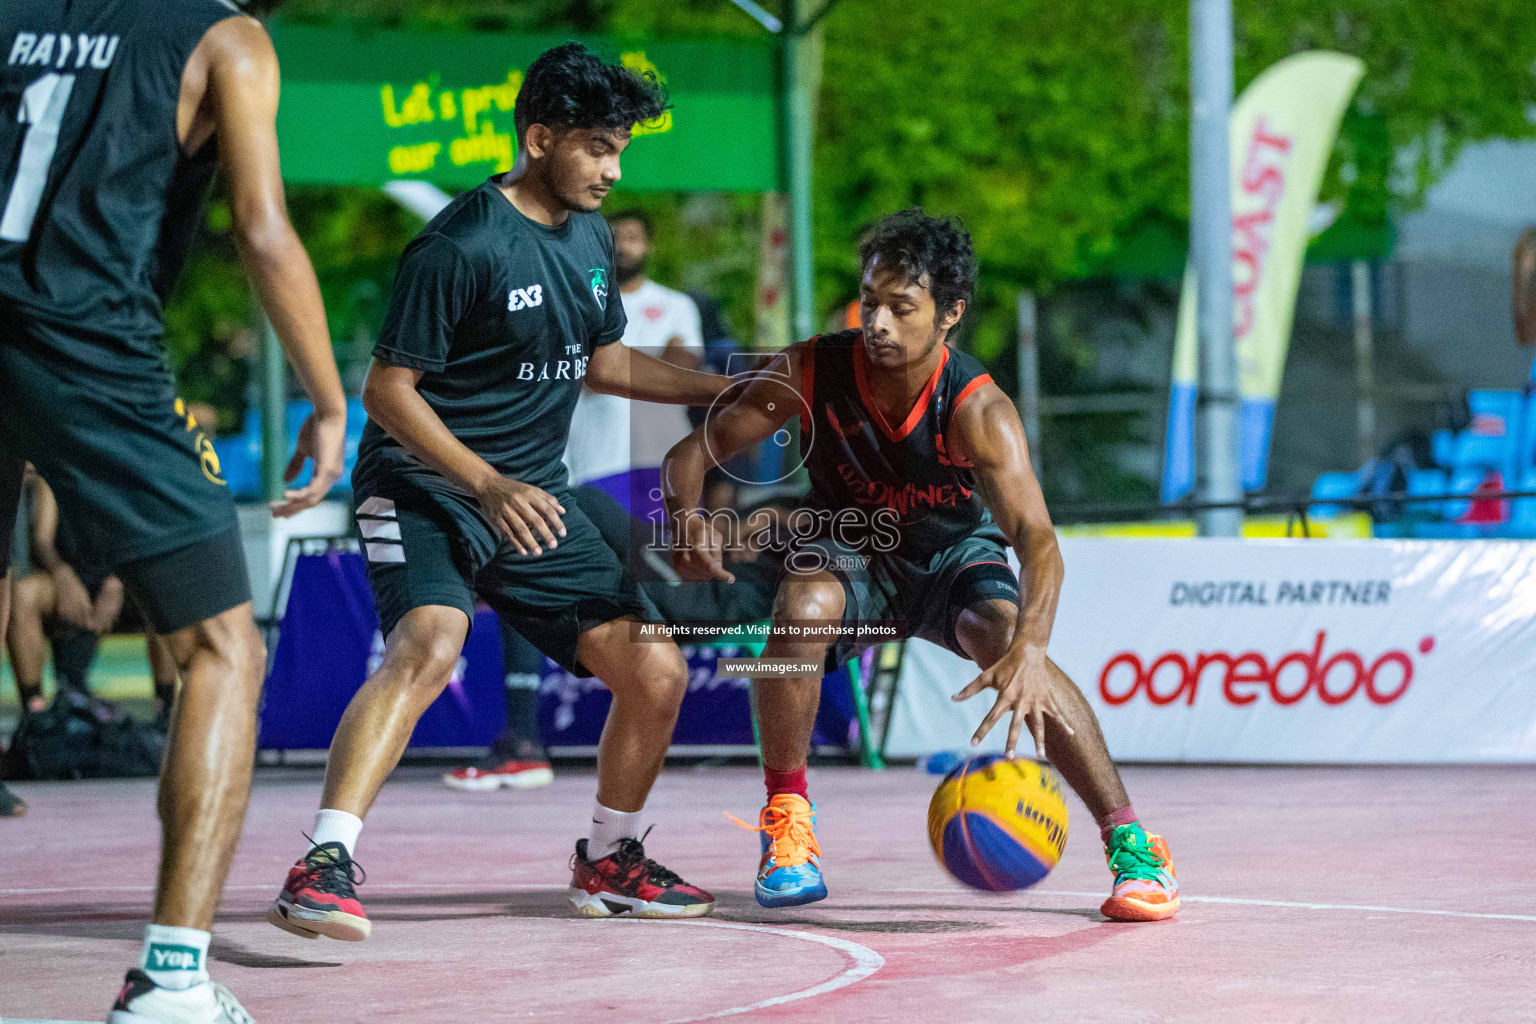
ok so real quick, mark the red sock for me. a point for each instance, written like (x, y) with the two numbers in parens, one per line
(785, 782)
(1114, 819)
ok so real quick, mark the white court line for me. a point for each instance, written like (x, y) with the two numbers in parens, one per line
(865, 962)
(249, 888)
(1234, 900)
(1363, 907)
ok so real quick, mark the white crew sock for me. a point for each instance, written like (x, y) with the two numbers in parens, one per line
(175, 958)
(608, 827)
(336, 827)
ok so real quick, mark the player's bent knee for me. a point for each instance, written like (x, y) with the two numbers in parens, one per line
(658, 674)
(232, 638)
(424, 648)
(429, 661)
(985, 630)
(667, 671)
(29, 595)
(810, 599)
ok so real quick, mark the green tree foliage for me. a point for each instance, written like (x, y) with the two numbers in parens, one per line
(354, 237)
(1056, 130)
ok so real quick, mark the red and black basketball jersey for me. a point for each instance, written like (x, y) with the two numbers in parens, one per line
(856, 459)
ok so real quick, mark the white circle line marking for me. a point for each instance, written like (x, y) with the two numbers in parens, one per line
(1231, 900)
(865, 962)
(1234, 900)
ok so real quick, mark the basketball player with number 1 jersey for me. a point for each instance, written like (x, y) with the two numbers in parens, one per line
(114, 115)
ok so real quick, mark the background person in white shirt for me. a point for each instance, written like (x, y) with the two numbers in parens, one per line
(615, 444)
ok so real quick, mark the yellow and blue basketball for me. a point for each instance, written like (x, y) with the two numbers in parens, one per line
(997, 824)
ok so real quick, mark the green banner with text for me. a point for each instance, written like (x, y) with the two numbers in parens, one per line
(363, 108)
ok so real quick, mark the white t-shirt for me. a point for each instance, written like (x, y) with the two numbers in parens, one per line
(610, 434)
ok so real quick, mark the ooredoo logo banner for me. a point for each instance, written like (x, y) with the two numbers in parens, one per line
(1276, 651)
(1331, 677)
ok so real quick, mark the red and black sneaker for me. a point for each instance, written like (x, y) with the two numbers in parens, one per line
(492, 774)
(319, 898)
(627, 883)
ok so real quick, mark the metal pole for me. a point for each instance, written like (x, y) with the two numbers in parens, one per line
(1210, 74)
(1029, 379)
(797, 139)
(274, 410)
(1365, 374)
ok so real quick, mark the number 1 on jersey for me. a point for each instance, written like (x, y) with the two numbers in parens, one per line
(42, 111)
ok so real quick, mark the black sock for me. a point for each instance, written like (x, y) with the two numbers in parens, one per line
(74, 649)
(524, 666)
(519, 741)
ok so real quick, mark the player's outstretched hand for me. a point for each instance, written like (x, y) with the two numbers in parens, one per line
(522, 514)
(322, 440)
(698, 553)
(1022, 679)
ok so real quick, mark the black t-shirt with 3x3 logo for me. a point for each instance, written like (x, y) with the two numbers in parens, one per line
(502, 314)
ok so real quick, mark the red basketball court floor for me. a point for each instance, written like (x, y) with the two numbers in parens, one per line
(1311, 894)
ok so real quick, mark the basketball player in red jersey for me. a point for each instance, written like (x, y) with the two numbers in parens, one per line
(920, 477)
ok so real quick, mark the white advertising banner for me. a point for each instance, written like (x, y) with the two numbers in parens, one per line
(1276, 651)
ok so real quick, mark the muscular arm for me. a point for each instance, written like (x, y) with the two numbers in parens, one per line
(986, 430)
(392, 401)
(769, 399)
(617, 369)
(236, 60)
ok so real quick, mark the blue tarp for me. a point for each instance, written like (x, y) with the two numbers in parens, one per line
(329, 641)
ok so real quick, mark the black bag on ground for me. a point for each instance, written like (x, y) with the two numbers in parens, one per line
(70, 740)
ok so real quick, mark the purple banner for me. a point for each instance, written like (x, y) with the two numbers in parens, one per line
(330, 641)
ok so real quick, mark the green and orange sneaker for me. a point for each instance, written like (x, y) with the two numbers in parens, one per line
(1146, 888)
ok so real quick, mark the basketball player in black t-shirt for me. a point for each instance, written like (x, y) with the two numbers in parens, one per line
(504, 305)
(920, 477)
(114, 115)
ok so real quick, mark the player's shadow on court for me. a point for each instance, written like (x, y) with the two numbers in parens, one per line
(87, 921)
(74, 921)
(1092, 913)
(439, 905)
(83, 921)
(916, 926)
(228, 953)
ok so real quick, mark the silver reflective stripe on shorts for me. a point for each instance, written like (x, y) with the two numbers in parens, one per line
(377, 522)
(377, 507)
(379, 529)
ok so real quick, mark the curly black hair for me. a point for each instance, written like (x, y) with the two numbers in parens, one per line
(569, 86)
(938, 248)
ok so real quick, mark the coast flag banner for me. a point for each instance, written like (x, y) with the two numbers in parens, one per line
(1282, 129)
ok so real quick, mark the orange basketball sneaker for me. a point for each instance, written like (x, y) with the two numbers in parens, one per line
(1146, 888)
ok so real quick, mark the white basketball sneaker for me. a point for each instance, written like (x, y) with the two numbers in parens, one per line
(143, 1002)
